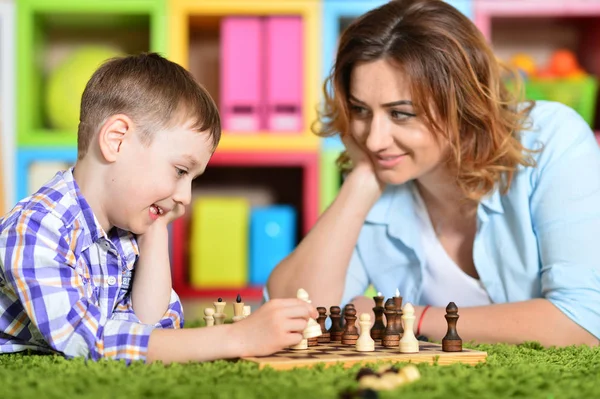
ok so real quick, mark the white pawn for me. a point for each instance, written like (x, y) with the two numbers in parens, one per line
(313, 329)
(365, 343)
(408, 342)
(209, 317)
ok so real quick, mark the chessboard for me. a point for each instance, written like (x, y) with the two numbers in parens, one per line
(335, 352)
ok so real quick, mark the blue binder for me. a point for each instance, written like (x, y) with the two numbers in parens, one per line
(272, 238)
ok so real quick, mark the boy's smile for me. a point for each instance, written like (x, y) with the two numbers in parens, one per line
(148, 182)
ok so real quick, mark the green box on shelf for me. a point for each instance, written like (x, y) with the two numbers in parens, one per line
(578, 93)
(49, 29)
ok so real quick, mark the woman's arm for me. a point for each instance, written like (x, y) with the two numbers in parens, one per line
(532, 320)
(320, 261)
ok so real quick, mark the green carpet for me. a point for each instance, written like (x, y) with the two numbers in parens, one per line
(524, 371)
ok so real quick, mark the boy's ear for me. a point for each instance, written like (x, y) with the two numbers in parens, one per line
(112, 134)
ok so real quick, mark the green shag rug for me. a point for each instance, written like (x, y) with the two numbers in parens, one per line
(524, 371)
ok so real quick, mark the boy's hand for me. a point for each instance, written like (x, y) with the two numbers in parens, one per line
(274, 326)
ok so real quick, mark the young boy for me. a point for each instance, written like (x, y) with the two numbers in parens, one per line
(84, 265)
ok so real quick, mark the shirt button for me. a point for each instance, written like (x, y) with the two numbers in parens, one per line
(112, 280)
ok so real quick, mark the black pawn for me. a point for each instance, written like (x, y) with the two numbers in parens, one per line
(451, 342)
(335, 331)
(350, 334)
(325, 336)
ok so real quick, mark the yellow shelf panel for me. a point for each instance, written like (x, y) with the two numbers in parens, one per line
(268, 141)
(182, 10)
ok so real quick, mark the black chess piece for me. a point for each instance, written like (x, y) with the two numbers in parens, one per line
(335, 331)
(325, 337)
(451, 342)
(378, 327)
(391, 338)
(350, 334)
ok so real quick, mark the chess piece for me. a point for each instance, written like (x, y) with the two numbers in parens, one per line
(209, 317)
(313, 329)
(350, 334)
(247, 311)
(335, 332)
(409, 343)
(314, 341)
(238, 309)
(398, 320)
(390, 335)
(378, 327)
(365, 343)
(325, 336)
(303, 344)
(451, 342)
(220, 315)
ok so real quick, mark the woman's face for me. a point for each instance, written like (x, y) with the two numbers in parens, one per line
(383, 122)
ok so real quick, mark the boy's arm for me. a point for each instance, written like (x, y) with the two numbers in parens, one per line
(41, 268)
(152, 286)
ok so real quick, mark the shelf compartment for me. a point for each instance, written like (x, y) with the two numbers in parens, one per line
(292, 179)
(195, 44)
(50, 30)
(28, 157)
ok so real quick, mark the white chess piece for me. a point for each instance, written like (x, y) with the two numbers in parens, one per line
(408, 342)
(220, 315)
(247, 311)
(313, 329)
(300, 345)
(365, 343)
(209, 317)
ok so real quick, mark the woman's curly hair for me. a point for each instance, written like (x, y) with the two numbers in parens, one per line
(453, 76)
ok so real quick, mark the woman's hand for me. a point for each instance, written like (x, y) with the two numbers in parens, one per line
(362, 165)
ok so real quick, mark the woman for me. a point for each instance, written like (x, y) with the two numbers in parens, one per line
(456, 190)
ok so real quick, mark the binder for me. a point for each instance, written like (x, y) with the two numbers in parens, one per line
(219, 242)
(272, 238)
(283, 70)
(241, 70)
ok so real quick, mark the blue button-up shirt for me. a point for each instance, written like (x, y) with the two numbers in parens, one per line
(540, 240)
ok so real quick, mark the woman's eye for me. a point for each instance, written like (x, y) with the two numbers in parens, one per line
(358, 110)
(181, 172)
(401, 115)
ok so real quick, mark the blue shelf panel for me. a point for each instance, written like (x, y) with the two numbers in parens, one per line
(29, 155)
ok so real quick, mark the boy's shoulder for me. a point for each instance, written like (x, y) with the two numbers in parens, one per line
(55, 203)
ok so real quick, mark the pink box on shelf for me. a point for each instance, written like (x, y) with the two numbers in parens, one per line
(283, 70)
(241, 80)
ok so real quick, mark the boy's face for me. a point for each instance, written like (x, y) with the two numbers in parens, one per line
(148, 182)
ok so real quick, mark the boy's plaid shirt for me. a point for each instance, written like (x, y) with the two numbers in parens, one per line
(65, 284)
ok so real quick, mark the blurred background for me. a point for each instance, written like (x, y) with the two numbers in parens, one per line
(264, 63)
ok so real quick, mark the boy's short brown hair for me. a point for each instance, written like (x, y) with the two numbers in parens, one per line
(154, 92)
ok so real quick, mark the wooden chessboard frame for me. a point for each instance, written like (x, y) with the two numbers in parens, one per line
(336, 353)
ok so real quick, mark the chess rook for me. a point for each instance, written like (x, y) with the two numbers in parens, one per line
(209, 317)
(451, 342)
(335, 331)
(325, 336)
(390, 335)
(350, 334)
